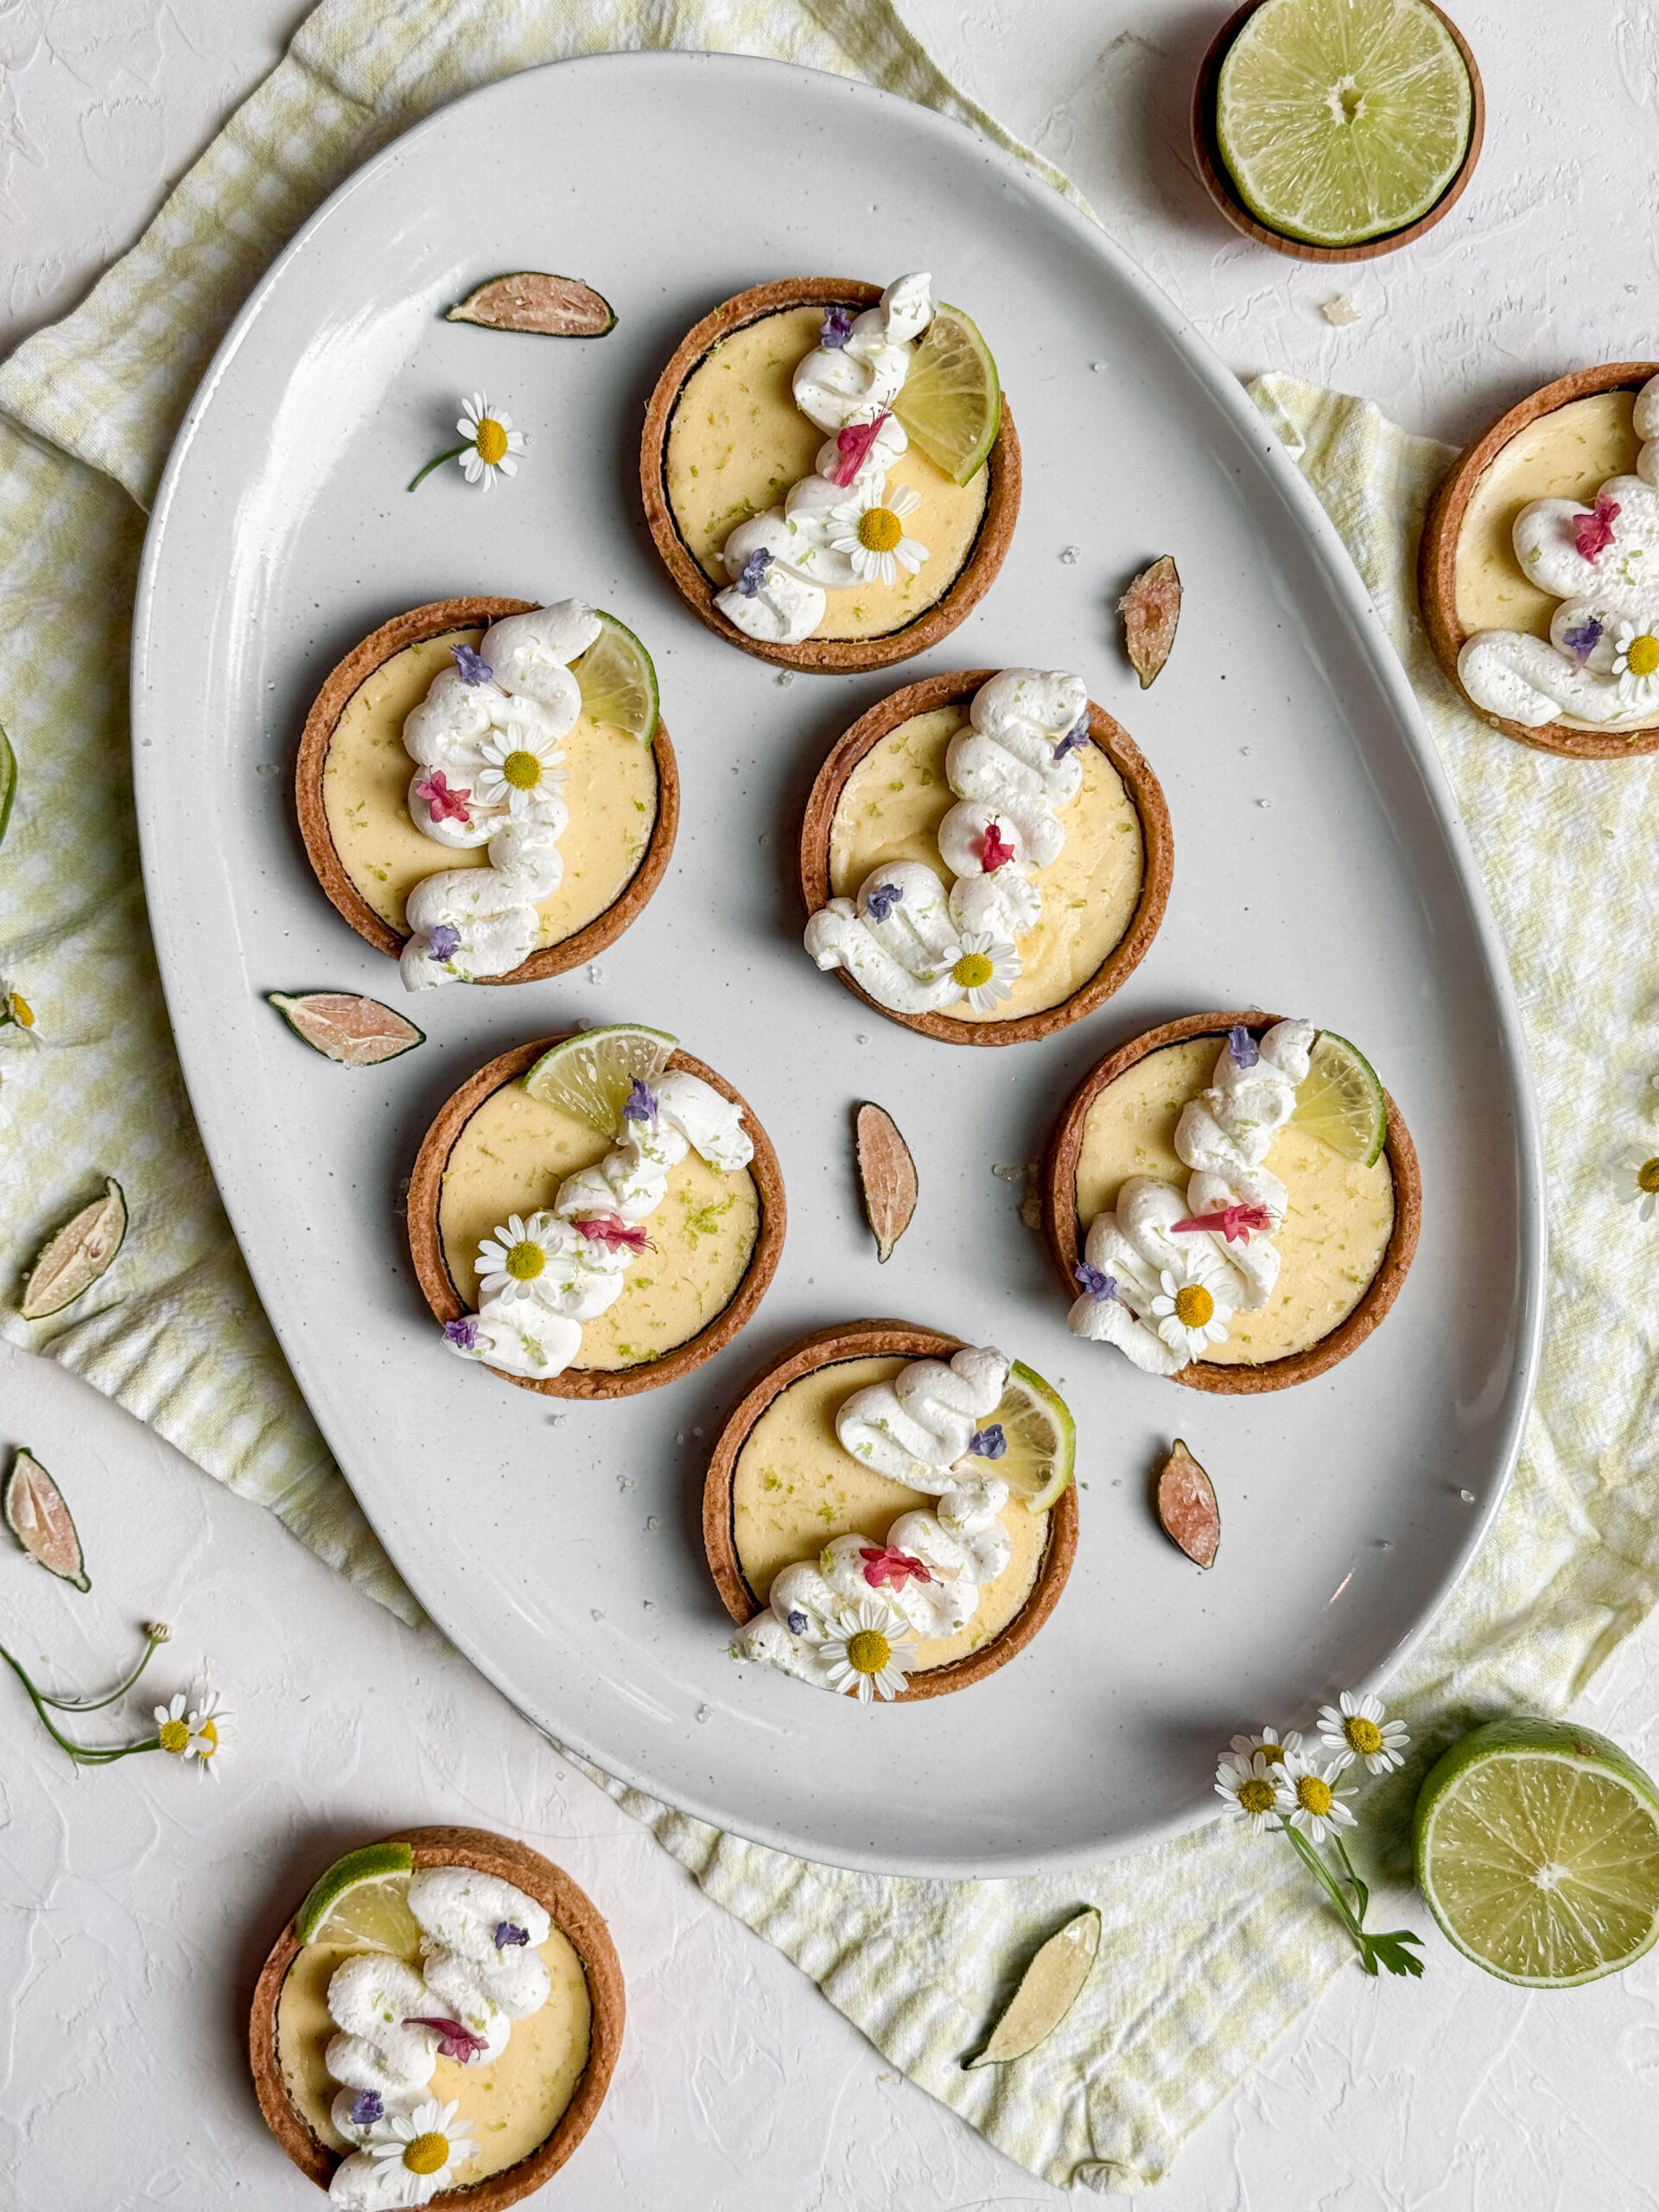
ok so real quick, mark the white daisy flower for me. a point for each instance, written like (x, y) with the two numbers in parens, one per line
(1313, 1803)
(872, 1654)
(521, 769)
(1192, 1314)
(1253, 1787)
(1636, 663)
(1278, 1744)
(869, 529)
(1357, 1728)
(429, 2143)
(985, 967)
(1639, 1181)
(210, 1731)
(492, 443)
(171, 1726)
(16, 1016)
(513, 1260)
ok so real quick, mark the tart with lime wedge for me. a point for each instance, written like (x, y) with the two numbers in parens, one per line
(830, 471)
(1232, 1201)
(447, 2006)
(890, 1513)
(485, 789)
(595, 1214)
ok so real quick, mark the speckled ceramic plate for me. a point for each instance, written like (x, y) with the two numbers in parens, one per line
(1319, 867)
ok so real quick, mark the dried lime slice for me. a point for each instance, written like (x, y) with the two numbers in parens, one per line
(950, 403)
(8, 782)
(75, 1258)
(618, 681)
(1041, 1439)
(363, 1899)
(1048, 1989)
(358, 1032)
(590, 1075)
(1341, 1100)
(37, 1515)
(528, 299)
(887, 1177)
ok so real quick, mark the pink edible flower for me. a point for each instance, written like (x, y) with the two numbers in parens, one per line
(854, 444)
(615, 1233)
(453, 2040)
(885, 1564)
(1235, 1222)
(995, 850)
(1593, 533)
(444, 804)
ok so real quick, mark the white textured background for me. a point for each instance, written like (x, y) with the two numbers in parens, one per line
(135, 1905)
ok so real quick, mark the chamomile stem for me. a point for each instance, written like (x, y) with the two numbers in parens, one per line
(1362, 1894)
(453, 454)
(81, 1754)
(97, 1704)
(1333, 1888)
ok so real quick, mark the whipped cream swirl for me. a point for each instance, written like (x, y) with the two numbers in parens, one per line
(1157, 1281)
(821, 538)
(543, 1277)
(921, 1430)
(481, 1969)
(486, 740)
(915, 946)
(1601, 663)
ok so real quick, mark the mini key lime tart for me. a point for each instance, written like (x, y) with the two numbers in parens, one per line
(595, 1214)
(831, 472)
(440, 2018)
(1232, 1201)
(986, 856)
(486, 790)
(1539, 570)
(889, 1513)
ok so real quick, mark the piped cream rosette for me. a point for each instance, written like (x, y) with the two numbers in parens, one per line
(914, 945)
(486, 743)
(1600, 662)
(923, 1429)
(832, 530)
(1164, 1272)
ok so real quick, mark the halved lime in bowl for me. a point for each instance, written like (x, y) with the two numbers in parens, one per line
(1042, 1439)
(590, 1075)
(1341, 1100)
(951, 402)
(618, 680)
(363, 1899)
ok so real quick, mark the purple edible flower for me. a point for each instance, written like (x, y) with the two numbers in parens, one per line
(988, 1443)
(837, 330)
(453, 2040)
(508, 1931)
(1584, 640)
(882, 900)
(474, 668)
(444, 943)
(797, 1623)
(1242, 1047)
(463, 1334)
(1077, 735)
(367, 2109)
(641, 1103)
(749, 576)
(1095, 1280)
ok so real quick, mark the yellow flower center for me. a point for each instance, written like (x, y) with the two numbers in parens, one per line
(21, 1011)
(525, 1261)
(1647, 1175)
(1642, 658)
(492, 443)
(1194, 1305)
(426, 2154)
(880, 529)
(174, 1736)
(1364, 1736)
(1273, 1753)
(973, 969)
(867, 1652)
(1256, 1795)
(1313, 1795)
(523, 771)
(209, 1736)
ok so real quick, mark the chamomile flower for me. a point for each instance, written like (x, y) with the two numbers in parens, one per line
(16, 1016)
(1639, 1181)
(872, 1655)
(1636, 663)
(489, 448)
(1191, 1310)
(1253, 1787)
(210, 1732)
(869, 529)
(1358, 1728)
(512, 1262)
(1313, 1803)
(172, 1729)
(427, 2146)
(986, 967)
(522, 770)
(1276, 1745)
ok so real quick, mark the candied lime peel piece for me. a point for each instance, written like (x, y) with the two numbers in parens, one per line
(951, 402)
(532, 300)
(363, 1899)
(888, 1180)
(1151, 608)
(1188, 1511)
(38, 1516)
(1048, 1989)
(72, 1260)
(591, 1074)
(618, 680)
(356, 1032)
(1340, 1099)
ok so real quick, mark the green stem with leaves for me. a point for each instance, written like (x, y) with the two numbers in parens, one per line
(1374, 1951)
(82, 1754)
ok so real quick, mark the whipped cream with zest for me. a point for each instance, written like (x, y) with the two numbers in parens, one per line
(904, 937)
(920, 1430)
(783, 562)
(489, 772)
(480, 1969)
(531, 1323)
(1601, 663)
(1142, 1259)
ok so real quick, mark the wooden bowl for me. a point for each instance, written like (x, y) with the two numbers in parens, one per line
(444, 1297)
(818, 656)
(1157, 842)
(381, 645)
(570, 1909)
(1220, 186)
(871, 1340)
(1437, 559)
(1061, 1227)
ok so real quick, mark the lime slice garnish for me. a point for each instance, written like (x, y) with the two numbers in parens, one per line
(1048, 1989)
(951, 402)
(363, 1899)
(357, 1032)
(1042, 1439)
(1340, 1100)
(590, 1075)
(1342, 120)
(617, 680)
(38, 1516)
(1538, 1851)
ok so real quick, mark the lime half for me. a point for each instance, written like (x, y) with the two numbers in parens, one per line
(590, 1075)
(951, 402)
(1042, 1439)
(1343, 120)
(1538, 1851)
(363, 1899)
(1341, 1100)
(618, 681)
